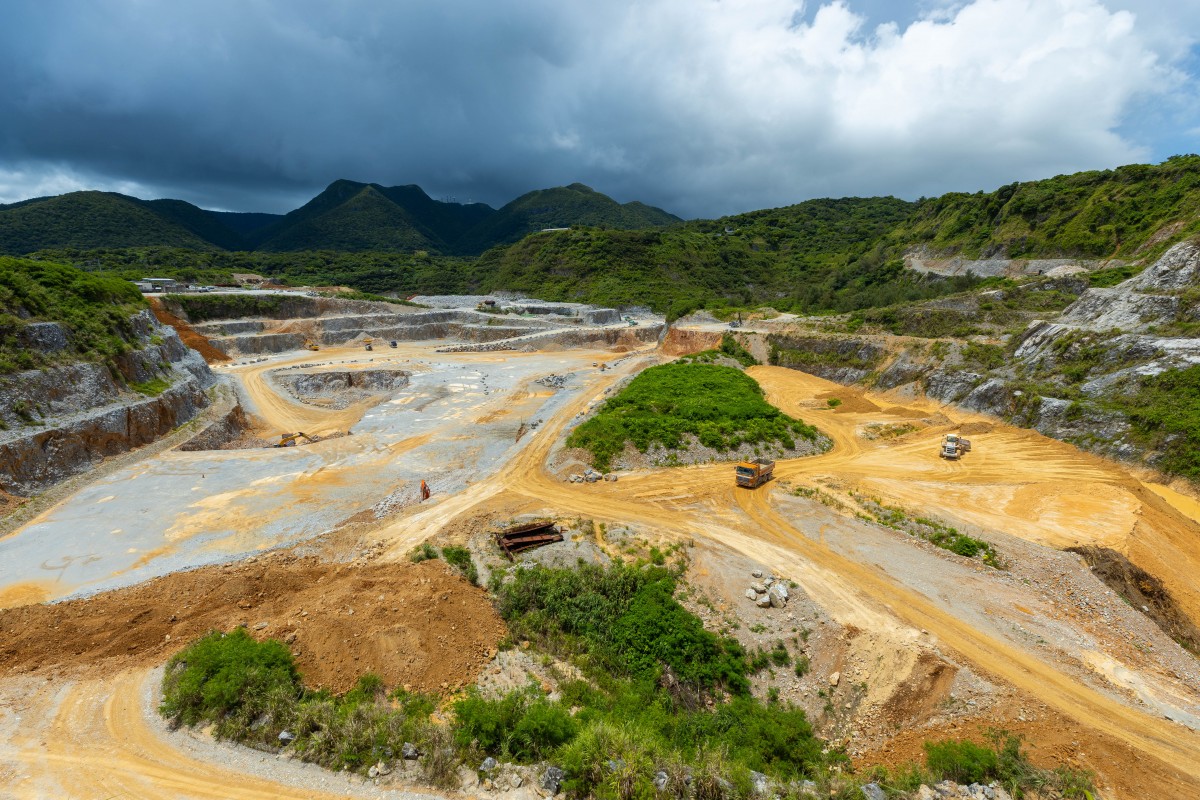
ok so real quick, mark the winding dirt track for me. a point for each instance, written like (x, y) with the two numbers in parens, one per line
(695, 501)
(1015, 481)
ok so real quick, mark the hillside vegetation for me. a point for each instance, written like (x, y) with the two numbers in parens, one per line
(721, 407)
(820, 256)
(94, 311)
(1127, 212)
(347, 216)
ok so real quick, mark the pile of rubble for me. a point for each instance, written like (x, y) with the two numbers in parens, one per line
(767, 592)
(591, 476)
(553, 381)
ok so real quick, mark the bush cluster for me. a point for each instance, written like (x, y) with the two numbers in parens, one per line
(721, 407)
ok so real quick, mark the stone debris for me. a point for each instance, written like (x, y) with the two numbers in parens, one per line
(751, 594)
(835, 678)
(488, 764)
(410, 752)
(552, 780)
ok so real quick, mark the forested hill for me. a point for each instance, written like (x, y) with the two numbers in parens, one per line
(812, 257)
(347, 216)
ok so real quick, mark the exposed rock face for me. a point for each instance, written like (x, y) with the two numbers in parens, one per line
(340, 388)
(58, 422)
(843, 359)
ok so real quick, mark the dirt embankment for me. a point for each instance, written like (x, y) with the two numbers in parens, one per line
(419, 625)
(190, 336)
(680, 342)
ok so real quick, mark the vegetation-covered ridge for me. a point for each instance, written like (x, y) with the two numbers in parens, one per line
(346, 216)
(720, 406)
(93, 311)
(653, 705)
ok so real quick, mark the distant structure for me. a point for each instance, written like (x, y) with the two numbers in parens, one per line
(552, 230)
(247, 278)
(158, 285)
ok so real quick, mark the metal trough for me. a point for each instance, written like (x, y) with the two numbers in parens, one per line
(527, 537)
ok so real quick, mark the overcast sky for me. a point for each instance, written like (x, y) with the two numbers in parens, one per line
(701, 107)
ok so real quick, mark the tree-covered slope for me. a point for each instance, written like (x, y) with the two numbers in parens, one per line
(366, 220)
(1128, 212)
(88, 220)
(560, 207)
(821, 255)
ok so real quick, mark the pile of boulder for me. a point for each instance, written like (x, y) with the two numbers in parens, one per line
(590, 475)
(767, 591)
(553, 381)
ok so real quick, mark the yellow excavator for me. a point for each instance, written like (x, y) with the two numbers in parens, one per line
(368, 342)
(309, 344)
(290, 439)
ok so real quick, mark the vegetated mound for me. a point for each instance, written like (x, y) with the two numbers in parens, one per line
(416, 624)
(1143, 591)
(53, 313)
(678, 407)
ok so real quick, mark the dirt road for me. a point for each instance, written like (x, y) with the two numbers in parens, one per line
(1015, 481)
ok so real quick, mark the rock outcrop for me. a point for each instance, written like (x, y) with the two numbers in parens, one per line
(58, 422)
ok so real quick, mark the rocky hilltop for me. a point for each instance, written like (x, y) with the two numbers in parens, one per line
(60, 420)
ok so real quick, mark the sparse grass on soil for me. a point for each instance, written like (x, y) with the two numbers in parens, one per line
(721, 406)
(934, 532)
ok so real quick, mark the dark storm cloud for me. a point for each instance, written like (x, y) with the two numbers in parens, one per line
(702, 107)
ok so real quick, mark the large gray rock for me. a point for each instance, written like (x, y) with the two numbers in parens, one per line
(1178, 268)
(552, 780)
(44, 337)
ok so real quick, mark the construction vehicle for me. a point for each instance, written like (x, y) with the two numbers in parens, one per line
(954, 446)
(392, 344)
(752, 474)
(736, 323)
(367, 342)
(309, 344)
(290, 439)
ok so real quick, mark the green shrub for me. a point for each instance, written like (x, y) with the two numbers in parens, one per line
(961, 761)
(521, 725)
(424, 552)
(460, 559)
(223, 674)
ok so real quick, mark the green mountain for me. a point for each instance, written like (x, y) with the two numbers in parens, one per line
(99, 219)
(560, 207)
(348, 216)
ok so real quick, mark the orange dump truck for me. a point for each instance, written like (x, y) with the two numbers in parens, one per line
(753, 474)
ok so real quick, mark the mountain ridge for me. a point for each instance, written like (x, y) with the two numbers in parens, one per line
(347, 215)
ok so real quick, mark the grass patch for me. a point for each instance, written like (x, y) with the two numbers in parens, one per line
(460, 559)
(721, 406)
(151, 388)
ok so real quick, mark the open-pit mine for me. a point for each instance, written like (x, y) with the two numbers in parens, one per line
(447, 422)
